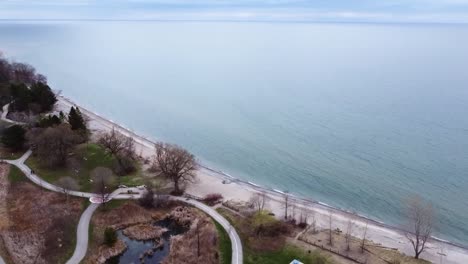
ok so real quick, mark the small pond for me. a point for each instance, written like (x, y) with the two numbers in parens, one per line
(135, 248)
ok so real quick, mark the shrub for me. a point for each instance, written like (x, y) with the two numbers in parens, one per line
(264, 224)
(147, 200)
(110, 236)
(179, 192)
(212, 198)
(14, 137)
(49, 121)
(123, 166)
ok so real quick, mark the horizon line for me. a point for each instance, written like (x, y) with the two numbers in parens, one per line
(236, 21)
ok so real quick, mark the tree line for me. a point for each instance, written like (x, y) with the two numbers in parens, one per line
(24, 88)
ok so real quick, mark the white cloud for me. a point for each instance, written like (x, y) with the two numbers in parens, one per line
(420, 11)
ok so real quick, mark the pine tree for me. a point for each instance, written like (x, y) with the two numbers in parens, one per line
(14, 137)
(76, 119)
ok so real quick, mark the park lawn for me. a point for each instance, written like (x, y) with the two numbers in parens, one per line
(225, 246)
(284, 255)
(133, 179)
(90, 157)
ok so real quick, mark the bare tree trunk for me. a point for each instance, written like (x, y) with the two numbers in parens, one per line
(420, 215)
(363, 242)
(349, 231)
(198, 239)
(314, 223)
(330, 235)
(286, 205)
(176, 187)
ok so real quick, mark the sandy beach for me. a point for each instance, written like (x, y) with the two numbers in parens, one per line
(209, 181)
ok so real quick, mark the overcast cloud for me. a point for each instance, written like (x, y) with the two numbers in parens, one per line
(420, 11)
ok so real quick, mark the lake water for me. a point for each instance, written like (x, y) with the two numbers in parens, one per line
(136, 248)
(358, 116)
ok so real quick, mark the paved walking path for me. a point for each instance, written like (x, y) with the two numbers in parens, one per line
(83, 225)
(82, 235)
(237, 254)
(4, 118)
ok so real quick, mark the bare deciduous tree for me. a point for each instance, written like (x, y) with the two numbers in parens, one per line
(259, 201)
(349, 233)
(330, 231)
(23, 72)
(53, 144)
(304, 216)
(103, 180)
(420, 223)
(286, 205)
(121, 147)
(67, 184)
(117, 144)
(363, 241)
(175, 164)
(313, 223)
(293, 214)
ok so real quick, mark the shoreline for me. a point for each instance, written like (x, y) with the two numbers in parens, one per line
(210, 179)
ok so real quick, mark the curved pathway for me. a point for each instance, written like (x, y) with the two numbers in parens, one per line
(82, 235)
(237, 254)
(83, 225)
(4, 118)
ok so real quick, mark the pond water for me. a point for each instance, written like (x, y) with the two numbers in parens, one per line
(135, 248)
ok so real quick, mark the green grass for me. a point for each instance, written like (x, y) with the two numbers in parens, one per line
(285, 255)
(16, 175)
(90, 156)
(225, 247)
(133, 179)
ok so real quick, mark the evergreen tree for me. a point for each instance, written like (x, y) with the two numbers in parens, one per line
(43, 95)
(14, 137)
(76, 119)
(62, 115)
(49, 121)
(21, 96)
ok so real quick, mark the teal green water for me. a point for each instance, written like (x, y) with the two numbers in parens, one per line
(356, 116)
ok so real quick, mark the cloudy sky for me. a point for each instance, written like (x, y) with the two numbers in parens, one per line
(419, 11)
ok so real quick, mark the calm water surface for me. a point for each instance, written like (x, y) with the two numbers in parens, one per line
(356, 116)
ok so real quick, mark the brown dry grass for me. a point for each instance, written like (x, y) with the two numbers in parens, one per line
(4, 219)
(4, 186)
(43, 226)
(185, 247)
(373, 253)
